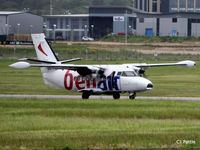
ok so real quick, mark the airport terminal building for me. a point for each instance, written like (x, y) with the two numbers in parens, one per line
(103, 20)
(99, 22)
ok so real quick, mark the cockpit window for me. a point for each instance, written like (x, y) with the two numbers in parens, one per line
(119, 73)
(129, 74)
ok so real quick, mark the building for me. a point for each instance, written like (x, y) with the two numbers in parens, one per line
(148, 5)
(100, 21)
(166, 6)
(184, 5)
(104, 20)
(67, 27)
(20, 23)
(169, 24)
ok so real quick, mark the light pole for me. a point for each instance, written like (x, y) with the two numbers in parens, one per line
(68, 33)
(54, 29)
(51, 8)
(92, 26)
(18, 27)
(31, 28)
(45, 28)
(85, 30)
(9, 29)
(7, 26)
(126, 24)
(131, 31)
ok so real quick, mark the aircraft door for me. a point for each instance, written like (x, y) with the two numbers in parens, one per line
(124, 82)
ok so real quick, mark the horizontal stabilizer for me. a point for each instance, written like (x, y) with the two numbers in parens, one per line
(69, 60)
(36, 61)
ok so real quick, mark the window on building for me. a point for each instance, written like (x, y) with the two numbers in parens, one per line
(173, 5)
(182, 5)
(141, 20)
(141, 4)
(198, 5)
(75, 23)
(67, 23)
(154, 6)
(61, 23)
(84, 22)
(136, 3)
(190, 5)
(174, 20)
(147, 5)
(52, 22)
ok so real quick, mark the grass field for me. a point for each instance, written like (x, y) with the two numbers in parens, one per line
(101, 53)
(139, 39)
(99, 124)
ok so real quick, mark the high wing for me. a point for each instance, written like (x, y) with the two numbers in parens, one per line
(187, 63)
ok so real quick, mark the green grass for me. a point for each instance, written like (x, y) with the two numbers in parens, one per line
(98, 53)
(141, 39)
(168, 81)
(97, 124)
(60, 124)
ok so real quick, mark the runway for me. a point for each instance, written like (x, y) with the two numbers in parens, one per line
(78, 97)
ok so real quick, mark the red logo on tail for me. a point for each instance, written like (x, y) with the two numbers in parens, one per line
(41, 50)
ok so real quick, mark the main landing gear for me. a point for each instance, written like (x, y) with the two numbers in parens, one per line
(116, 95)
(132, 95)
(85, 95)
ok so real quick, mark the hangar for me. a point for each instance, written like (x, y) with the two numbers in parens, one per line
(20, 23)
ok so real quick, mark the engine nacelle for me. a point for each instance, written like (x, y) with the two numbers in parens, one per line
(20, 65)
(139, 70)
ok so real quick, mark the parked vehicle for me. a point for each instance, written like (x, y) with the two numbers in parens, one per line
(85, 38)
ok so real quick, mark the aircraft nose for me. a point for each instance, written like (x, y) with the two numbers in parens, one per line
(150, 86)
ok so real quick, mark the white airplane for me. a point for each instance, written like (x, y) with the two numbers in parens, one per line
(90, 79)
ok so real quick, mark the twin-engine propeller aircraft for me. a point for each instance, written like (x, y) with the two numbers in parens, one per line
(90, 79)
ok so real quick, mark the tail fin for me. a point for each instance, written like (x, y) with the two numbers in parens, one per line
(43, 49)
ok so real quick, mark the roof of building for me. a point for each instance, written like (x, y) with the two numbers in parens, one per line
(68, 15)
(10, 12)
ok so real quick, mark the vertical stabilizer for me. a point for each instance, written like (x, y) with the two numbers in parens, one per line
(43, 50)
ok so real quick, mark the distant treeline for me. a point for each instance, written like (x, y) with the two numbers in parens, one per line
(42, 7)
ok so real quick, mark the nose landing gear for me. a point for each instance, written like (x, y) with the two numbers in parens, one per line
(132, 95)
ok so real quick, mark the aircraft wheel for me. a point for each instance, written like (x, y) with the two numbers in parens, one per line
(132, 95)
(85, 95)
(116, 95)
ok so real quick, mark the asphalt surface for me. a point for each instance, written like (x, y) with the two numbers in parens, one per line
(78, 97)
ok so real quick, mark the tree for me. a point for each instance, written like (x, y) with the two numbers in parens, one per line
(120, 2)
(98, 2)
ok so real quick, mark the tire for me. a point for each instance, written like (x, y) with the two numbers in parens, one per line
(132, 96)
(85, 95)
(116, 95)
